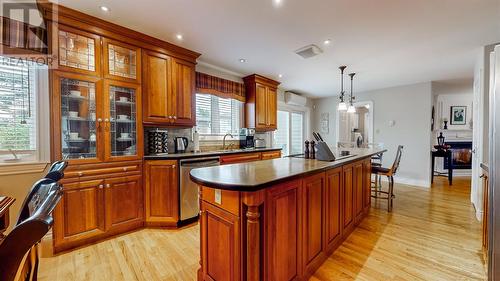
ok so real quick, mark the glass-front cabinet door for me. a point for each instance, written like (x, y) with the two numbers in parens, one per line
(77, 104)
(121, 61)
(123, 130)
(79, 51)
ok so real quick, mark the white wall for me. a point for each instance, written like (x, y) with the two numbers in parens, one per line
(410, 107)
(452, 93)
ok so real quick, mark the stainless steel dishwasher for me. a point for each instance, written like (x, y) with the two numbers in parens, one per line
(189, 203)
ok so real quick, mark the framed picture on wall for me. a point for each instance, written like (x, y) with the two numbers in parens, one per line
(458, 115)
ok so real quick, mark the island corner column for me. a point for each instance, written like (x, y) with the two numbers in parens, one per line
(253, 201)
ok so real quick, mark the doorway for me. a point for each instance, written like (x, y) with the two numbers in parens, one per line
(357, 126)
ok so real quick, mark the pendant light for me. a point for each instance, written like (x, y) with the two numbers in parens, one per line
(351, 108)
(342, 104)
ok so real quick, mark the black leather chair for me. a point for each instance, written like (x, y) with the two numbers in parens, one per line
(30, 230)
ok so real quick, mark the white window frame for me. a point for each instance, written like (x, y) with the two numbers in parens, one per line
(220, 136)
(305, 111)
(37, 161)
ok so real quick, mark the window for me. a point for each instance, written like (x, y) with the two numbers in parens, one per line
(20, 96)
(290, 133)
(218, 116)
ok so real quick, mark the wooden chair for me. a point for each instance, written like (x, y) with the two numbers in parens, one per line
(389, 173)
(29, 231)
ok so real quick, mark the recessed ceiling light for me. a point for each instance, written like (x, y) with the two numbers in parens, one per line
(280, 75)
(277, 3)
(179, 36)
(327, 42)
(104, 9)
(243, 60)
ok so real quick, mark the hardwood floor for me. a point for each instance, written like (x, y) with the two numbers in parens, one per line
(431, 235)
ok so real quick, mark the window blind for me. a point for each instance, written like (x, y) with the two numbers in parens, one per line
(297, 133)
(17, 110)
(218, 116)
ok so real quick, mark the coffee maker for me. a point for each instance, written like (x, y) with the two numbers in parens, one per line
(247, 138)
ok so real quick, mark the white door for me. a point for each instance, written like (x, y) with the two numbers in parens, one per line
(477, 140)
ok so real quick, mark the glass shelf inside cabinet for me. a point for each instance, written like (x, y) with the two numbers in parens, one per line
(122, 61)
(123, 121)
(78, 119)
(76, 51)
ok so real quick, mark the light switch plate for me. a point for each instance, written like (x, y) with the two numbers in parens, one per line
(218, 196)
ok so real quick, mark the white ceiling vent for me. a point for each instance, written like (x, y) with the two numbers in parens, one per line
(309, 51)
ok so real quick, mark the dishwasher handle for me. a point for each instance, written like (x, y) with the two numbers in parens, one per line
(200, 162)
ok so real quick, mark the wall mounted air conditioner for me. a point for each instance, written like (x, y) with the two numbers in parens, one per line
(294, 99)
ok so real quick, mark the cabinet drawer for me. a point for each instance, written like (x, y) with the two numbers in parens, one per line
(271, 155)
(240, 158)
(78, 172)
(226, 200)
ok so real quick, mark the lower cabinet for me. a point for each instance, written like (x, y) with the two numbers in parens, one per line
(284, 231)
(240, 158)
(161, 192)
(220, 248)
(367, 184)
(348, 194)
(358, 182)
(123, 202)
(313, 213)
(92, 209)
(333, 209)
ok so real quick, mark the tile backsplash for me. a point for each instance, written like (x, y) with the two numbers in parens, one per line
(204, 145)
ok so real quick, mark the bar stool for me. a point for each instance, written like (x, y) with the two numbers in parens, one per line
(380, 171)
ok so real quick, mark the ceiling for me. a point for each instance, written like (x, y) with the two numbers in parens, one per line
(386, 42)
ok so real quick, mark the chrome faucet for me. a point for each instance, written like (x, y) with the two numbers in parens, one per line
(224, 140)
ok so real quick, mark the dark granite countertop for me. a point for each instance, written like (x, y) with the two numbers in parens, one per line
(257, 175)
(207, 153)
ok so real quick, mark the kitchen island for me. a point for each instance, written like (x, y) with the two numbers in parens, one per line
(279, 219)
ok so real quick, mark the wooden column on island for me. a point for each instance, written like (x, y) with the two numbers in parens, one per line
(253, 201)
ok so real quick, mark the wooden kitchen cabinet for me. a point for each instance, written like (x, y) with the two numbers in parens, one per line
(261, 107)
(157, 88)
(271, 155)
(79, 216)
(168, 90)
(358, 182)
(183, 107)
(240, 158)
(283, 215)
(220, 245)
(348, 199)
(78, 51)
(333, 209)
(161, 192)
(367, 184)
(123, 202)
(313, 213)
(121, 61)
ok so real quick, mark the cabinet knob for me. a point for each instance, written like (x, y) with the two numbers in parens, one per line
(173, 166)
(101, 186)
(169, 117)
(106, 120)
(80, 174)
(108, 185)
(125, 169)
(99, 119)
(175, 117)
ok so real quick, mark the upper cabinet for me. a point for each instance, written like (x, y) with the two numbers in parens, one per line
(121, 61)
(79, 51)
(168, 90)
(262, 103)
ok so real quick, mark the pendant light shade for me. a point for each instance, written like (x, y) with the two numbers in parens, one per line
(342, 106)
(351, 109)
(342, 103)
